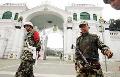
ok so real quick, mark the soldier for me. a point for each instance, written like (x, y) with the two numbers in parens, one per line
(89, 44)
(31, 45)
(114, 3)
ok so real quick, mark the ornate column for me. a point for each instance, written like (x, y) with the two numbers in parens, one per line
(15, 43)
(104, 29)
(107, 35)
(3, 42)
(68, 55)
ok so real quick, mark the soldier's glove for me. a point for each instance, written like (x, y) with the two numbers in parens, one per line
(108, 53)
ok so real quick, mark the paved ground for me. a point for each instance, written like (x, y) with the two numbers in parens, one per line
(53, 67)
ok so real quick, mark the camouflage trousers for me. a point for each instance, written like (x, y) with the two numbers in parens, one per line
(95, 72)
(25, 69)
(98, 73)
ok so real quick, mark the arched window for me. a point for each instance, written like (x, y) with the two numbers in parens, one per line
(95, 17)
(16, 16)
(85, 16)
(7, 15)
(75, 16)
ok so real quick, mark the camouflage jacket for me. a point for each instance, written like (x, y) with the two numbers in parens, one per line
(27, 55)
(29, 38)
(89, 44)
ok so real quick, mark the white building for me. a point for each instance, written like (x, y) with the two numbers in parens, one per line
(46, 16)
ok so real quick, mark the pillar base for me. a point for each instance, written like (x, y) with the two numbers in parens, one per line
(68, 57)
(12, 56)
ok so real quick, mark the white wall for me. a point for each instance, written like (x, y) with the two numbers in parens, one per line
(15, 36)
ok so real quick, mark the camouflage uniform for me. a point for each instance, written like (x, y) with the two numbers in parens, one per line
(89, 44)
(26, 67)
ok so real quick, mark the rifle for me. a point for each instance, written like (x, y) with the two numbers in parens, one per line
(86, 66)
(81, 55)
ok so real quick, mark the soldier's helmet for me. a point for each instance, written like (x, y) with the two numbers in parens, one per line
(106, 1)
(28, 24)
(83, 23)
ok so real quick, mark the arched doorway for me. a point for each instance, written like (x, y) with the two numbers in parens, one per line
(49, 23)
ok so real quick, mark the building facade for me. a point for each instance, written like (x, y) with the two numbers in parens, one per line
(46, 16)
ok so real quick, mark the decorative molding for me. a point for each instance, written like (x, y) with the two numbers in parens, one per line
(69, 28)
(17, 27)
(69, 19)
(107, 28)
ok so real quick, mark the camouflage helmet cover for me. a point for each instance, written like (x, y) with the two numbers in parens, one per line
(28, 24)
(83, 23)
